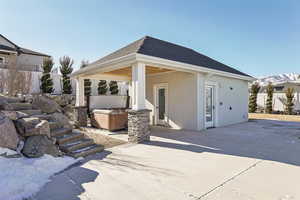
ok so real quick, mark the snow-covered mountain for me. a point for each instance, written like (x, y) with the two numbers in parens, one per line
(280, 78)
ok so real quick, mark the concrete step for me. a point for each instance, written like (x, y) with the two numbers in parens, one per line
(86, 151)
(72, 146)
(21, 106)
(60, 131)
(54, 125)
(31, 112)
(72, 137)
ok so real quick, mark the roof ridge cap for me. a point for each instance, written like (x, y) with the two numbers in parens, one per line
(141, 43)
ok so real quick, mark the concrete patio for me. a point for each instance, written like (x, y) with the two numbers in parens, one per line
(254, 160)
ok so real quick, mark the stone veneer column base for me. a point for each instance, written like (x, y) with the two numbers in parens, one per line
(80, 115)
(138, 125)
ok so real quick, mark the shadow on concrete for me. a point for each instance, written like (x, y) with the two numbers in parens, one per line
(263, 139)
(68, 184)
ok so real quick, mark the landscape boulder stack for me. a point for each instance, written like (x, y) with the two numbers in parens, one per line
(46, 104)
(37, 146)
(8, 135)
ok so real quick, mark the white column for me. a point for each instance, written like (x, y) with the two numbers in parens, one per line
(200, 101)
(79, 92)
(138, 86)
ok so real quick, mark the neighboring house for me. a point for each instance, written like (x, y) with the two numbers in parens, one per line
(23, 59)
(279, 95)
(181, 87)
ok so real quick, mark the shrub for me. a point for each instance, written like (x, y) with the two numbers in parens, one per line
(289, 93)
(47, 82)
(269, 103)
(113, 87)
(102, 87)
(253, 98)
(66, 69)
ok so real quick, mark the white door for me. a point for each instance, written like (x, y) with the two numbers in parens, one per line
(161, 104)
(209, 106)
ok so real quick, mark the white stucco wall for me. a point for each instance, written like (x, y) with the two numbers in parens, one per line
(182, 98)
(236, 98)
(28, 61)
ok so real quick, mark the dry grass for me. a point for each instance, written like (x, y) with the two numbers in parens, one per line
(292, 118)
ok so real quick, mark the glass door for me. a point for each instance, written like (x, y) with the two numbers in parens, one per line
(161, 104)
(209, 106)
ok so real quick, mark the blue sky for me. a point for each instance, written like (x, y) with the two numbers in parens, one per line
(259, 37)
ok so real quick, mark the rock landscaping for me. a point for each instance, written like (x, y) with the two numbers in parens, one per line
(41, 125)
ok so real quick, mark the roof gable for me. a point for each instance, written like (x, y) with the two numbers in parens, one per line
(4, 41)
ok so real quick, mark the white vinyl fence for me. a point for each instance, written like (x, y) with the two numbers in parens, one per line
(107, 101)
(57, 84)
(277, 101)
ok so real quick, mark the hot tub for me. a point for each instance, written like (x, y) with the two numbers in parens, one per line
(110, 119)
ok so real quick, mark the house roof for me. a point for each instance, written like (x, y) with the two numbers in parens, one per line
(6, 48)
(20, 49)
(162, 49)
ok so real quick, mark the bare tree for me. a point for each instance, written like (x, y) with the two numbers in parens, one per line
(14, 81)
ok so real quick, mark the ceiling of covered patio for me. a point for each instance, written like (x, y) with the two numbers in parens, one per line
(127, 71)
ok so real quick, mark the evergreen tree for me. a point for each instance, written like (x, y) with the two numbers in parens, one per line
(47, 82)
(253, 97)
(66, 69)
(289, 93)
(113, 87)
(102, 87)
(269, 103)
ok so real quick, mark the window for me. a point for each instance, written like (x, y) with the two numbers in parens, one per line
(2, 60)
(278, 88)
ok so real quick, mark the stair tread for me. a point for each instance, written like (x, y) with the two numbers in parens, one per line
(78, 144)
(68, 137)
(95, 148)
(69, 144)
(43, 116)
(60, 131)
(21, 106)
(30, 112)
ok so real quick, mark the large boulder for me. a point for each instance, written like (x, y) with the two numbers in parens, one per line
(69, 112)
(8, 135)
(32, 126)
(4, 105)
(61, 119)
(14, 115)
(45, 104)
(25, 125)
(63, 99)
(37, 146)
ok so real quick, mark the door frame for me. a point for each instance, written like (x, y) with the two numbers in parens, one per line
(215, 104)
(155, 109)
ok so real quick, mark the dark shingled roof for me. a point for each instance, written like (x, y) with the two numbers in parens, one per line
(28, 51)
(158, 48)
(20, 49)
(6, 48)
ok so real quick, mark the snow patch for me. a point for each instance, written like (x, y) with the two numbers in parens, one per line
(6, 151)
(23, 177)
(280, 78)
